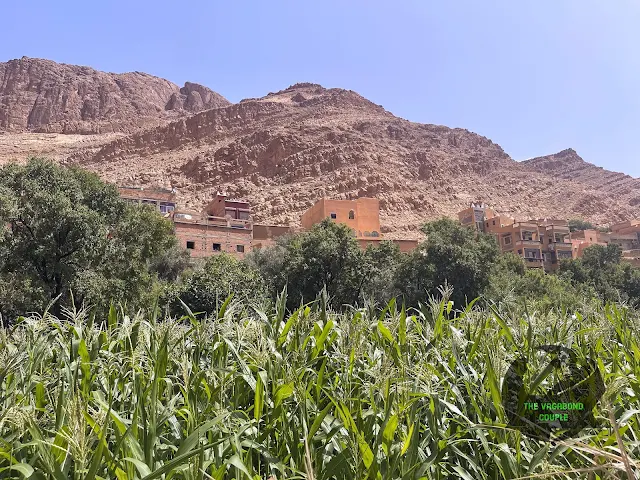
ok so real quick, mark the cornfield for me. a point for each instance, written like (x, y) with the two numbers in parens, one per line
(308, 394)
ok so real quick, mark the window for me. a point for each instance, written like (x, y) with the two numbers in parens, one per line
(367, 234)
(240, 248)
(352, 215)
(166, 207)
(333, 216)
(191, 245)
(243, 215)
(507, 240)
(494, 222)
(217, 247)
(375, 234)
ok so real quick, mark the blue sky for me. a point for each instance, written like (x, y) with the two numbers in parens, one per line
(534, 76)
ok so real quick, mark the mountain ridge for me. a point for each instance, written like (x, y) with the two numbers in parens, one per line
(285, 150)
(41, 95)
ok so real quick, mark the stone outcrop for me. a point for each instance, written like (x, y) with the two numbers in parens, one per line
(284, 151)
(44, 96)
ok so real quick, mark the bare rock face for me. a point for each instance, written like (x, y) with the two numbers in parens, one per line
(44, 96)
(288, 149)
(284, 151)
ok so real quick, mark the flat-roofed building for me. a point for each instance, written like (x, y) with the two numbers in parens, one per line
(542, 243)
(161, 198)
(204, 235)
(362, 216)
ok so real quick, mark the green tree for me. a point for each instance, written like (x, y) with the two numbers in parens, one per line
(577, 224)
(67, 231)
(206, 288)
(328, 256)
(452, 254)
(379, 270)
(601, 267)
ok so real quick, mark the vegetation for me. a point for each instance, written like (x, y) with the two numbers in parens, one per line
(328, 257)
(306, 394)
(577, 224)
(206, 289)
(311, 359)
(65, 230)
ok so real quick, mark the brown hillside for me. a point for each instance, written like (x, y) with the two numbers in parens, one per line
(45, 96)
(287, 149)
(570, 166)
(284, 151)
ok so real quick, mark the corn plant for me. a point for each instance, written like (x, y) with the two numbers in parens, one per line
(304, 394)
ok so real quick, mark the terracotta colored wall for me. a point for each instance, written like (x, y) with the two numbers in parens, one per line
(405, 245)
(313, 215)
(366, 214)
(269, 232)
(205, 236)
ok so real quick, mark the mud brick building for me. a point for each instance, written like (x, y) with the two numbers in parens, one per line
(544, 243)
(362, 216)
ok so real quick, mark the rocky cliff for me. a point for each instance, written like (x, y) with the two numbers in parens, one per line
(44, 96)
(287, 149)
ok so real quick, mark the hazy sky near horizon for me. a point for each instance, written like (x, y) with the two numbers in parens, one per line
(535, 77)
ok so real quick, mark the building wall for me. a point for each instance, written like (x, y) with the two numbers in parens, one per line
(630, 226)
(205, 236)
(140, 193)
(405, 245)
(366, 215)
(313, 215)
(163, 200)
(269, 232)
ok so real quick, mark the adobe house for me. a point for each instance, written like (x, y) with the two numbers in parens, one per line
(161, 198)
(266, 235)
(361, 215)
(223, 226)
(542, 243)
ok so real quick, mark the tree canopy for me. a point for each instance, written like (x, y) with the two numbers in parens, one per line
(67, 233)
(451, 254)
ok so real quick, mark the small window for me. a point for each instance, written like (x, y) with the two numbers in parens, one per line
(333, 216)
(507, 240)
(240, 248)
(494, 222)
(367, 234)
(375, 234)
(191, 245)
(352, 214)
(217, 247)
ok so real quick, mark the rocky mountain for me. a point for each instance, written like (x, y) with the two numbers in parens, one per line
(569, 166)
(44, 96)
(284, 151)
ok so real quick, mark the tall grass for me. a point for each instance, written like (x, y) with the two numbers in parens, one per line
(309, 394)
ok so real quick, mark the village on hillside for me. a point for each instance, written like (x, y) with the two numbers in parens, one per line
(226, 225)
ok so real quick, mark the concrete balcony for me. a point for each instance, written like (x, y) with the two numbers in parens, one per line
(559, 246)
(528, 243)
(533, 262)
